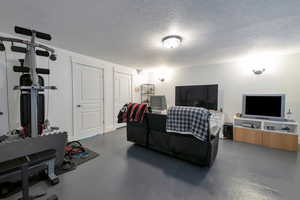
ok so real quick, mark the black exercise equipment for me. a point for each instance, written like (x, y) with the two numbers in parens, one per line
(31, 84)
(53, 57)
(27, 70)
(20, 156)
(18, 49)
(2, 47)
(21, 69)
(42, 71)
(25, 164)
(42, 53)
(23, 31)
(28, 32)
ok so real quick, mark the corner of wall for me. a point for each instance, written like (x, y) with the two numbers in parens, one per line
(109, 129)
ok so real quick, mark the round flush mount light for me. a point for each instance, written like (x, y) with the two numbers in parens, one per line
(171, 41)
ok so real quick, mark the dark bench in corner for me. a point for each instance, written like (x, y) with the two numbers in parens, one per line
(152, 134)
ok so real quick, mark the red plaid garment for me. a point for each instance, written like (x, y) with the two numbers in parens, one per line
(132, 112)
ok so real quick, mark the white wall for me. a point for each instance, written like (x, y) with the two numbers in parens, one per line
(236, 78)
(60, 101)
(3, 99)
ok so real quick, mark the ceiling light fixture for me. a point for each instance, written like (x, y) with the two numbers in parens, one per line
(171, 41)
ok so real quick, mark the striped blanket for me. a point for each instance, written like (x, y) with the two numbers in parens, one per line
(189, 120)
(132, 112)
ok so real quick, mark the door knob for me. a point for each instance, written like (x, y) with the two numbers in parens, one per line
(78, 106)
(1, 113)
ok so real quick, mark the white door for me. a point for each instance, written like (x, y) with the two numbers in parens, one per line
(88, 101)
(3, 96)
(123, 93)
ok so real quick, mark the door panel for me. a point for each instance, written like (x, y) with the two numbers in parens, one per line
(3, 96)
(88, 100)
(90, 84)
(123, 93)
(90, 120)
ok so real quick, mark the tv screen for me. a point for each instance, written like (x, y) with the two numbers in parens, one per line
(265, 106)
(205, 96)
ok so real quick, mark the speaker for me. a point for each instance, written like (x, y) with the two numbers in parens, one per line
(228, 130)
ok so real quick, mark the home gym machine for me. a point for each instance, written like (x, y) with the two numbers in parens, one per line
(32, 100)
(32, 112)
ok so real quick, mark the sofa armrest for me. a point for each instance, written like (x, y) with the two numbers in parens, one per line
(137, 132)
(214, 147)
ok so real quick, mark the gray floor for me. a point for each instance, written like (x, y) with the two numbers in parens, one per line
(125, 171)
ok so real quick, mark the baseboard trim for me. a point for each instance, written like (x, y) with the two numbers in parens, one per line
(83, 137)
(109, 129)
(106, 130)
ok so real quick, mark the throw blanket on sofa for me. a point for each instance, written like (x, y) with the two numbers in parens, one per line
(132, 112)
(189, 120)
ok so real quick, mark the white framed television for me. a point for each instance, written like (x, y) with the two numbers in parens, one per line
(264, 106)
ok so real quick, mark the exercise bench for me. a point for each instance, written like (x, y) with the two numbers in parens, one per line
(25, 164)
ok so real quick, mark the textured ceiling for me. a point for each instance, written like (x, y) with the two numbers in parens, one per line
(128, 32)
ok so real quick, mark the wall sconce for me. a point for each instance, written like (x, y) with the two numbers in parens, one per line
(163, 74)
(139, 71)
(161, 79)
(259, 71)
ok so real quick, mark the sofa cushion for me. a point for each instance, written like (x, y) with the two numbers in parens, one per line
(137, 132)
(188, 147)
(159, 141)
(157, 122)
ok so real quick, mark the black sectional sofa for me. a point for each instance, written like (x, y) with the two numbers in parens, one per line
(151, 133)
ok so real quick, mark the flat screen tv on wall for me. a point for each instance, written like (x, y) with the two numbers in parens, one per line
(205, 96)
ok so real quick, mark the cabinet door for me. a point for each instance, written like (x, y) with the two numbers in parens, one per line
(251, 136)
(280, 141)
